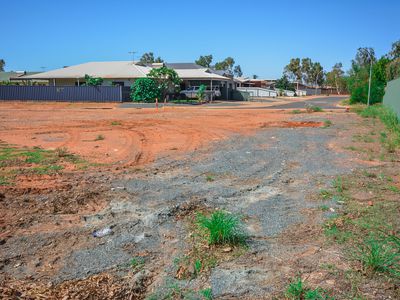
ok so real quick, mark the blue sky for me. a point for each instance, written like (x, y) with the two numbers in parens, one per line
(262, 36)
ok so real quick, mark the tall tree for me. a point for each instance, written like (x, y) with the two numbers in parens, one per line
(364, 56)
(293, 70)
(393, 69)
(237, 70)
(316, 75)
(336, 78)
(307, 70)
(358, 81)
(204, 61)
(2, 64)
(255, 76)
(395, 52)
(226, 65)
(148, 58)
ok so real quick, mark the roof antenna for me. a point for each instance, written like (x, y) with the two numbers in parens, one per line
(133, 55)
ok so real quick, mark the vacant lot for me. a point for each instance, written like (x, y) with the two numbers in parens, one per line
(149, 177)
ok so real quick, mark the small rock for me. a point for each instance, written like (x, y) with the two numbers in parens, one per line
(331, 209)
(370, 203)
(227, 249)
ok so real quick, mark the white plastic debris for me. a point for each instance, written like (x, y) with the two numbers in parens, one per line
(102, 232)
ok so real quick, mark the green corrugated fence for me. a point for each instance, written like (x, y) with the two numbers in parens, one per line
(392, 95)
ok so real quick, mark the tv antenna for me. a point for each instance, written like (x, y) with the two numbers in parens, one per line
(133, 55)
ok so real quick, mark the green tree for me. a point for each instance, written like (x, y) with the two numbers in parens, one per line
(93, 81)
(364, 56)
(2, 64)
(293, 70)
(316, 74)
(237, 70)
(335, 78)
(204, 61)
(307, 70)
(166, 80)
(358, 81)
(393, 69)
(284, 84)
(148, 58)
(395, 52)
(144, 89)
(226, 65)
(255, 76)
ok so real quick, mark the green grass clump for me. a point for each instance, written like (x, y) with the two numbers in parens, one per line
(210, 178)
(380, 256)
(327, 123)
(222, 228)
(325, 194)
(100, 137)
(137, 263)
(297, 290)
(116, 123)
(4, 181)
(338, 184)
(296, 111)
(206, 293)
(313, 108)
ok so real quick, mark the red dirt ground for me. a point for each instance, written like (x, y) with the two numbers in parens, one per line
(137, 136)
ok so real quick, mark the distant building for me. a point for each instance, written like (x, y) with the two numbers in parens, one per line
(124, 73)
(16, 77)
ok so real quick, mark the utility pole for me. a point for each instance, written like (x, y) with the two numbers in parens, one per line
(133, 55)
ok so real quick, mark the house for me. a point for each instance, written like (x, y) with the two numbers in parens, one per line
(17, 77)
(251, 82)
(124, 73)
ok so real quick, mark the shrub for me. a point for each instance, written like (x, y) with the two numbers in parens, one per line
(144, 89)
(201, 93)
(93, 81)
(222, 228)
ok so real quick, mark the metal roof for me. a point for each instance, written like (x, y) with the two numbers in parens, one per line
(124, 69)
(178, 66)
(107, 69)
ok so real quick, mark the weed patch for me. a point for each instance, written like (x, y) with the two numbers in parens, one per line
(297, 290)
(296, 111)
(17, 161)
(222, 228)
(100, 137)
(313, 108)
(327, 123)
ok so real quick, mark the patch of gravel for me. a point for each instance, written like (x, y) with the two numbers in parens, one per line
(265, 177)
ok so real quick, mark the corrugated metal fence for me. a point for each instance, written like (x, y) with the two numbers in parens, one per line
(61, 93)
(392, 95)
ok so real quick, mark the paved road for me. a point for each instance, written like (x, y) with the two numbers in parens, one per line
(323, 102)
(152, 105)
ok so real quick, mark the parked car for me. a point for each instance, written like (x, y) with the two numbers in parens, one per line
(191, 92)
